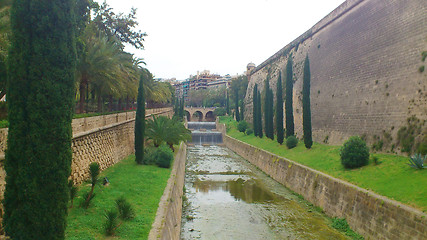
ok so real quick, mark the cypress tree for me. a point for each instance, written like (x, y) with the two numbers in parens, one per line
(266, 92)
(268, 111)
(40, 98)
(227, 103)
(242, 111)
(237, 105)
(288, 103)
(306, 111)
(279, 110)
(140, 124)
(176, 107)
(181, 109)
(260, 134)
(270, 114)
(255, 110)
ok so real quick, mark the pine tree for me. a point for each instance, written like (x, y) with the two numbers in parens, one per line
(40, 98)
(288, 103)
(237, 105)
(279, 110)
(255, 110)
(140, 124)
(306, 111)
(260, 134)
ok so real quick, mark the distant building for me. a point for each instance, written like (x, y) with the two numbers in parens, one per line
(203, 80)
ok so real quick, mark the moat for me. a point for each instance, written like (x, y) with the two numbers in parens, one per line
(228, 198)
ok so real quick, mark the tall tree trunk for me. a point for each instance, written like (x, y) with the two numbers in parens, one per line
(99, 107)
(82, 91)
(127, 103)
(110, 103)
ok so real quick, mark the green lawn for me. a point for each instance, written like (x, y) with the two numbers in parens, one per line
(142, 186)
(392, 178)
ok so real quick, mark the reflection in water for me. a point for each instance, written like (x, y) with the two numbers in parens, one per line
(228, 198)
(240, 189)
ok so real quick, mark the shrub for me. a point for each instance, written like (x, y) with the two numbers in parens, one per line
(354, 153)
(94, 172)
(249, 131)
(242, 126)
(375, 160)
(220, 111)
(291, 142)
(417, 161)
(126, 211)
(162, 156)
(111, 223)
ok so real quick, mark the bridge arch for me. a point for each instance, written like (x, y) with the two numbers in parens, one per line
(207, 114)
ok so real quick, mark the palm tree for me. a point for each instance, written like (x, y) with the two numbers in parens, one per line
(163, 129)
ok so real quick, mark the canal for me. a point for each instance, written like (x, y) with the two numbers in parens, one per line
(228, 198)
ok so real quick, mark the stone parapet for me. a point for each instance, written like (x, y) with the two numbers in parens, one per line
(167, 225)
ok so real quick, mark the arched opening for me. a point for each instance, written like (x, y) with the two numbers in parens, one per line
(210, 117)
(197, 116)
(188, 115)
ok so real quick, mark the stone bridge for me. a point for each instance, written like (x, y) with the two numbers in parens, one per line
(199, 114)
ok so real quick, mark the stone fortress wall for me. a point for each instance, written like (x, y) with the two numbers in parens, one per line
(365, 79)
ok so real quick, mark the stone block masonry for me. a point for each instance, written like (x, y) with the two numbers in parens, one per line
(364, 59)
(103, 143)
(369, 214)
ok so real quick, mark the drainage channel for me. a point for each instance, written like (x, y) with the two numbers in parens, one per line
(228, 198)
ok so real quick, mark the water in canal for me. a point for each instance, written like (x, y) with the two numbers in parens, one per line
(228, 198)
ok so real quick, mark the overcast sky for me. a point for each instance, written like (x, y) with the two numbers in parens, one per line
(223, 36)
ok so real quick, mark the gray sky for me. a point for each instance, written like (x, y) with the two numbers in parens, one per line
(223, 36)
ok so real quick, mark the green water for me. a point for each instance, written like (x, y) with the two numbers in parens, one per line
(228, 198)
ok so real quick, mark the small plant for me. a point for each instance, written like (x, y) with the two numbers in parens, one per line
(341, 225)
(326, 140)
(291, 142)
(94, 172)
(126, 211)
(111, 222)
(417, 161)
(249, 131)
(87, 198)
(242, 126)
(354, 153)
(421, 69)
(375, 160)
(73, 192)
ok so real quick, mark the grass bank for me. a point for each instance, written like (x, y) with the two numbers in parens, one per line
(391, 178)
(141, 185)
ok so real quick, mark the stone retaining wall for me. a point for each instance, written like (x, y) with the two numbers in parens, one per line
(80, 125)
(167, 225)
(371, 215)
